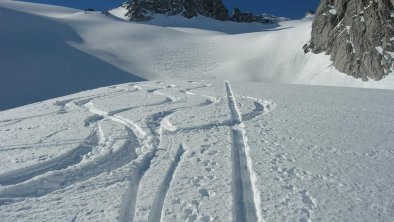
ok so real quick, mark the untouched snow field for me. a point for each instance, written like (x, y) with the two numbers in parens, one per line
(200, 151)
(49, 51)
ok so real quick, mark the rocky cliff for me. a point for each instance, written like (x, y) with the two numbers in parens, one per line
(358, 34)
(143, 10)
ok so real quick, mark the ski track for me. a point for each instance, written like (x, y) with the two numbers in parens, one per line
(60, 179)
(71, 167)
(140, 133)
(67, 169)
(154, 122)
(128, 206)
(127, 210)
(157, 206)
(245, 195)
(148, 140)
(58, 163)
(57, 180)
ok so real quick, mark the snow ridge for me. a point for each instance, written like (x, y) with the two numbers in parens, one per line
(246, 197)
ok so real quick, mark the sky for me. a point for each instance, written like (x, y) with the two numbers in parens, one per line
(286, 8)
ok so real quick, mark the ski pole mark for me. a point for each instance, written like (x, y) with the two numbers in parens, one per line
(245, 194)
(157, 206)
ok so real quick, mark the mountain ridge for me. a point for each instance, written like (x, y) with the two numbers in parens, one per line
(144, 10)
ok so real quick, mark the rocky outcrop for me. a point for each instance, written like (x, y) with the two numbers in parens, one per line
(140, 10)
(247, 17)
(358, 34)
(143, 10)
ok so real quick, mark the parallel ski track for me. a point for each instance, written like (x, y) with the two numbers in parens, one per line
(246, 200)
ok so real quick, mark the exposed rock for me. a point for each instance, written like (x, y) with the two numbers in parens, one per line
(247, 17)
(358, 34)
(310, 12)
(140, 10)
(90, 10)
(143, 10)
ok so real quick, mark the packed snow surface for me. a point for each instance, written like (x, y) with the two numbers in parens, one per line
(49, 51)
(200, 151)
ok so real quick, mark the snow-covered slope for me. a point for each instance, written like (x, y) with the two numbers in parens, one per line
(38, 61)
(48, 51)
(200, 151)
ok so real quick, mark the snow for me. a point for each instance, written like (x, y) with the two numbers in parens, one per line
(333, 11)
(37, 62)
(75, 51)
(179, 151)
(119, 12)
(198, 142)
(379, 49)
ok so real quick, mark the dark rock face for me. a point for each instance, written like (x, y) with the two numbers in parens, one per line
(209, 8)
(310, 12)
(247, 17)
(358, 34)
(142, 10)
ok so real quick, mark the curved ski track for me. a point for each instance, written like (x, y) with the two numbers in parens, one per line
(138, 149)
